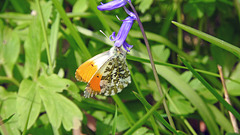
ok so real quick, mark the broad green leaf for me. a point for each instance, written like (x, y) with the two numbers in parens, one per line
(32, 47)
(60, 109)
(28, 104)
(7, 109)
(80, 6)
(54, 83)
(122, 123)
(160, 53)
(227, 63)
(184, 106)
(233, 87)
(54, 35)
(197, 9)
(202, 91)
(145, 5)
(141, 131)
(9, 50)
(221, 119)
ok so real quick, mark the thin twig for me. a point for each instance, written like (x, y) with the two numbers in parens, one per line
(153, 66)
(233, 119)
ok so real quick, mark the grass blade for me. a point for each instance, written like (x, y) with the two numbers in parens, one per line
(218, 42)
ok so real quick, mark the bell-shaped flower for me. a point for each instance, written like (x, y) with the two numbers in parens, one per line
(112, 5)
(120, 39)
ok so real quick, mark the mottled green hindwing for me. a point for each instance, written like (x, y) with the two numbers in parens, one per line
(116, 75)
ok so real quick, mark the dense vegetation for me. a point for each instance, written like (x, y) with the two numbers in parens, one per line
(42, 43)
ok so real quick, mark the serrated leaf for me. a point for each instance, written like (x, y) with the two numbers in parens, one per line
(28, 104)
(9, 50)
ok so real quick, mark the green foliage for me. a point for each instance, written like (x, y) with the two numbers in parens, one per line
(42, 43)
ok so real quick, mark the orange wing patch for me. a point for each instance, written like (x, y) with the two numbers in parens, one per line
(93, 87)
(85, 72)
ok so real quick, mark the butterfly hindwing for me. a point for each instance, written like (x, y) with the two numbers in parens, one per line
(116, 75)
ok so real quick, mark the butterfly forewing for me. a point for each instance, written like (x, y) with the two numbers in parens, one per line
(85, 72)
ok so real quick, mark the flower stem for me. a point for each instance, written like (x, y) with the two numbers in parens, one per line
(153, 65)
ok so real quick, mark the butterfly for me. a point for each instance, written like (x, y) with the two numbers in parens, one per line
(106, 73)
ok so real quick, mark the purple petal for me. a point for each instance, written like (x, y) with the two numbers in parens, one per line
(112, 5)
(130, 13)
(124, 30)
(112, 37)
(126, 46)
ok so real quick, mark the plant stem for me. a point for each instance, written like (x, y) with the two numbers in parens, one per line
(153, 65)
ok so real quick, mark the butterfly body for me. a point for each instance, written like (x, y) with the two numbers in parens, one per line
(106, 73)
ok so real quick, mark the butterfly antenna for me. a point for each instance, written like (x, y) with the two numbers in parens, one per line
(103, 33)
(118, 18)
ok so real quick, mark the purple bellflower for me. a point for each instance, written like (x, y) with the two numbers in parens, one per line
(120, 39)
(112, 5)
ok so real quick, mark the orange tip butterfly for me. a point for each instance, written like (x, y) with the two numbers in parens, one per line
(106, 73)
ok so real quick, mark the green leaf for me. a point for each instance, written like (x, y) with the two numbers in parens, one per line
(160, 53)
(197, 9)
(9, 50)
(80, 6)
(28, 104)
(232, 86)
(140, 131)
(32, 47)
(56, 84)
(122, 123)
(221, 119)
(8, 109)
(60, 109)
(227, 63)
(145, 5)
(184, 106)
